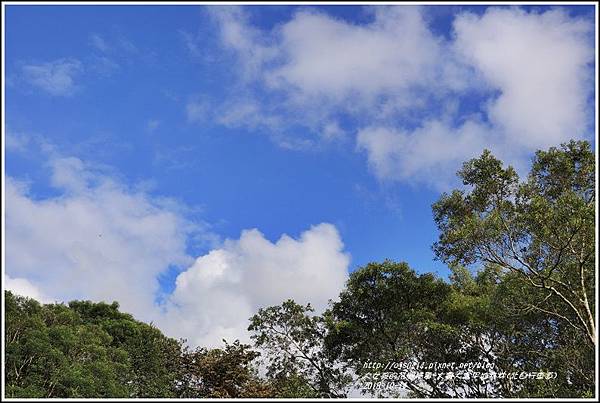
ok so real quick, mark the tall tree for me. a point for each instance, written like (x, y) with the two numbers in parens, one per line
(490, 311)
(150, 354)
(297, 362)
(221, 373)
(542, 230)
(389, 314)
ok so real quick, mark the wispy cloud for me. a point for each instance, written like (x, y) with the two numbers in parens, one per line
(111, 53)
(152, 125)
(99, 43)
(56, 78)
(191, 43)
(16, 141)
(104, 65)
(65, 76)
(197, 111)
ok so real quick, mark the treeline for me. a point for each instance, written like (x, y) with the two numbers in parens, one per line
(87, 349)
(528, 308)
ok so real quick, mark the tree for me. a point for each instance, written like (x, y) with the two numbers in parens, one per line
(488, 308)
(542, 230)
(532, 340)
(297, 363)
(221, 373)
(51, 352)
(84, 349)
(389, 314)
(151, 356)
(536, 239)
(91, 350)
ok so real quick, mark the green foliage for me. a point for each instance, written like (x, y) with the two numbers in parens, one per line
(383, 308)
(227, 373)
(388, 313)
(298, 363)
(51, 351)
(542, 230)
(88, 349)
(537, 239)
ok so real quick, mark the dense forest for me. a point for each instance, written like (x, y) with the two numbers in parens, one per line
(520, 300)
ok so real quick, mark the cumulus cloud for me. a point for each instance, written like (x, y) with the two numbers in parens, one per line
(309, 71)
(540, 63)
(99, 239)
(524, 76)
(214, 298)
(323, 56)
(322, 64)
(25, 288)
(430, 153)
(56, 77)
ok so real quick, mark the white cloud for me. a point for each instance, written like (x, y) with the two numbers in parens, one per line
(525, 78)
(101, 240)
(538, 62)
(99, 43)
(541, 65)
(25, 288)
(97, 240)
(191, 43)
(322, 64)
(56, 77)
(216, 296)
(335, 59)
(240, 36)
(332, 131)
(429, 154)
(252, 115)
(249, 113)
(196, 111)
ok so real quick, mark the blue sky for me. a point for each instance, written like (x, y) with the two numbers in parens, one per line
(342, 123)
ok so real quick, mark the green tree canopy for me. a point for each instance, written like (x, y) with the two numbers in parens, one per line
(86, 349)
(541, 229)
(389, 314)
(297, 362)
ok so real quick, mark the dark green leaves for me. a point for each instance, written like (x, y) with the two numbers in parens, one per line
(297, 362)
